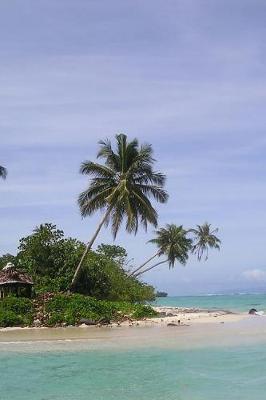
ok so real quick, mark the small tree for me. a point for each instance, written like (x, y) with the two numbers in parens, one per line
(115, 253)
(49, 257)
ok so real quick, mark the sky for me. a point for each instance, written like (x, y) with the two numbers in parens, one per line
(187, 76)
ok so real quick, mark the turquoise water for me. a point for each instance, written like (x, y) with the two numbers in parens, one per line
(201, 362)
(200, 374)
(240, 302)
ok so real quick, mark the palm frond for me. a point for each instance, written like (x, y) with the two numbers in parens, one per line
(156, 192)
(173, 242)
(97, 170)
(89, 203)
(106, 152)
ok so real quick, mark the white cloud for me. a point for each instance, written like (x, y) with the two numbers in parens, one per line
(255, 275)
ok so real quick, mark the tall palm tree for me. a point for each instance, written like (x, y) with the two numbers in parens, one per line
(3, 172)
(122, 188)
(173, 243)
(204, 238)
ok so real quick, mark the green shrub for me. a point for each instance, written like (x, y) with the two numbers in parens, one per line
(16, 311)
(9, 318)
(144, 312)
(18, 305)
(70, 309)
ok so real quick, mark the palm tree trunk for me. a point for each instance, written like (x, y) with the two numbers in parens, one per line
(143, 265)
(153, 266)
(88, 247)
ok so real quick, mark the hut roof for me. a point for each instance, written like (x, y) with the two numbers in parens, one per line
(10, 274)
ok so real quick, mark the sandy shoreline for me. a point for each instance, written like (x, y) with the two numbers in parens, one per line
(197, 328)
(188, 316)
(169, 317)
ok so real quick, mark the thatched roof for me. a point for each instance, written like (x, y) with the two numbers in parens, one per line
(10, 274)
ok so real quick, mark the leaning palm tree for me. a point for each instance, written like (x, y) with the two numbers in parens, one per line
(173, 243)
(204, 238)
(121, 188)
(3, 172)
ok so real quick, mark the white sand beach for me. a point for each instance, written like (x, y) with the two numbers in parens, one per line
(182, 326)
(171, 316)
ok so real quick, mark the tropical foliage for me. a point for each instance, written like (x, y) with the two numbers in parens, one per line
(115, 253)
(174, 243)
(16, 312)
(50, 259)
(204, 239)
(70, 309)
(61, 309)
(124, 188)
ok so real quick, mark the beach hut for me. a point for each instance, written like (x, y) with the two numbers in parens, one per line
(15, 282)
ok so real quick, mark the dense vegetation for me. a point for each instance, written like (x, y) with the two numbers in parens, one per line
(70, 309)
(16, 312)
(67, 309)
(104, 292)
(50, 259)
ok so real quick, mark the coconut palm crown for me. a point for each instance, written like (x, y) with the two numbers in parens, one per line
(123, 185)
(173, 243)
(204, 239)
(3, 172)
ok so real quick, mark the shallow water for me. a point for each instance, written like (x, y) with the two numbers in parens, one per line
(208, 373)
(209, 361)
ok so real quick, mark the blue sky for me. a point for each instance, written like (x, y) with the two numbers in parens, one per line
(187, 76)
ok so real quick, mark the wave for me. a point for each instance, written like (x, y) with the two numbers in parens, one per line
(232, 294)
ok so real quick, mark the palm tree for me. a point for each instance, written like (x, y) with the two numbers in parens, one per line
(204, 239)
(3, 172)
(121, 188)
(169, 239)
(171, 242)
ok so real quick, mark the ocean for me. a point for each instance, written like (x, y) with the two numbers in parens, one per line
(199, 374)
(215, 362)
(234, 302)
